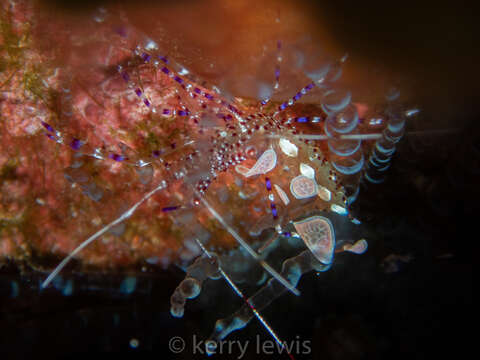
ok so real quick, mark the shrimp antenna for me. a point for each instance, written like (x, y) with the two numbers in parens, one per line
(247, 301)
(249, 249)
(99, 233)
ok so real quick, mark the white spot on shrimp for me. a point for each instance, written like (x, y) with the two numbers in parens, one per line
(307, 171)
(338, 209)
(264, 164)
(324, 193)
(303, 187)
(318, 234)
(282, 194)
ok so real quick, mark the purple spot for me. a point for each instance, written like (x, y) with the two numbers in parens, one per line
(297, 97)
(138, 92)
(310, 86)
(116, 157)
(197, 90)
(173, 145)
(125, 76)
(178, 80)
(164, 59)
(268, 184)
(277, 73)
(283, 106)
(75, 144)
(170, 208)
(47, 126)
(146, 57)
(156, 153)
(302, 119)
(263, 102)
(228, 117)
(166, 112)
(51, 137)
(182, 112)
(274, 210)
(146, 102)
(287, 234)
(209, 97)
(165, 70)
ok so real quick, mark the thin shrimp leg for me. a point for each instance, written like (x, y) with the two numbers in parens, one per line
(292, 270)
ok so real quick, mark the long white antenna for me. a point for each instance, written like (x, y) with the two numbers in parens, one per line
(240, 294)
(99, 233)
(249, 249)
(372, 136)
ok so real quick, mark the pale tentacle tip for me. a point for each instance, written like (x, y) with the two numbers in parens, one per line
(358, 247)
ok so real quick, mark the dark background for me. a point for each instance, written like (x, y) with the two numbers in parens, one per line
(356, 310)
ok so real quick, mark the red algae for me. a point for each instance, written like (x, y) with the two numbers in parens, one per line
(48, 204)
